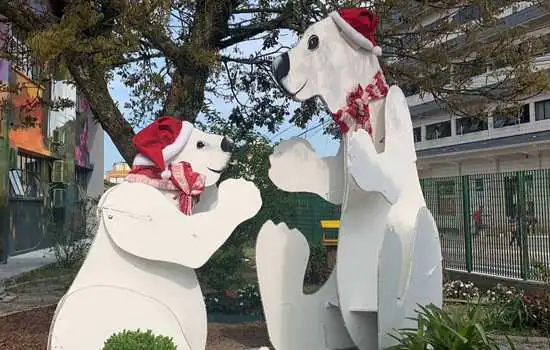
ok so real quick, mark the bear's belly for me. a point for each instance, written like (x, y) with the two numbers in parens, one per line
(104, 310)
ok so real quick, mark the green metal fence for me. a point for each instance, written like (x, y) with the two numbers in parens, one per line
(497, 224)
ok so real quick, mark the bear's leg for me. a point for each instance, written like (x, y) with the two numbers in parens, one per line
(86, 318)
(295, 320)
(426, 271)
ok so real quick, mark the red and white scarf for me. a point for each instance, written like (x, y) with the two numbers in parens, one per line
(187, 184)
(356, 115)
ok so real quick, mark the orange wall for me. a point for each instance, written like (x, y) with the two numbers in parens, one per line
(26, 131)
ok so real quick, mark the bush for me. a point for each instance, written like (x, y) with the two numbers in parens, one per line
(460, 290)
(540, 272)
(505, 309)
(71, 238)
(537, 308)
(138, 340)
(317, 271)
(245, 301)
(438, 329)
(503, 294)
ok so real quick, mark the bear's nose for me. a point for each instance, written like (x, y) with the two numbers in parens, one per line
(227, 144)
(281, 67)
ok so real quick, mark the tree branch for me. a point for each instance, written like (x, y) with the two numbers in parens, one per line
(140, 58)
(257, 10)
(90, 78)
(238, 35)
(19, 14)
(251, 60)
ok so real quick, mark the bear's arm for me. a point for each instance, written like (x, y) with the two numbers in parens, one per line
(142, 222)
(295, 167)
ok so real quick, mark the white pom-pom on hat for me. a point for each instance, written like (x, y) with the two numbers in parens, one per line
(166, 174)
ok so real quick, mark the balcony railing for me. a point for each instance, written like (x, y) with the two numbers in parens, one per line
(489, 78)
(21, 59)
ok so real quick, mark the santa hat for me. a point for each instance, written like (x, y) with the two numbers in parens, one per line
(161, 141)
(359, 24)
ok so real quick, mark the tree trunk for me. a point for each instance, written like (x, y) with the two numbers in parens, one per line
(186, 96)
(92, 83)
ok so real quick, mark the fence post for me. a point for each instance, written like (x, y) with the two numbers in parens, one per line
(466, 213)
(522, 234)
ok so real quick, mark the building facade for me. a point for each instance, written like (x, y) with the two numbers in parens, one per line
(118, 173)
(489, 173)
(51, 161)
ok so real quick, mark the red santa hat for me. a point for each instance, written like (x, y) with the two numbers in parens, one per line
(359, 24)
(161, 141)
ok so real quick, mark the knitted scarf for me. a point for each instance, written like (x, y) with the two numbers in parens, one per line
(187, 184)
(355, 115)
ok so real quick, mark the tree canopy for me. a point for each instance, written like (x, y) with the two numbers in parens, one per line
(177, 55)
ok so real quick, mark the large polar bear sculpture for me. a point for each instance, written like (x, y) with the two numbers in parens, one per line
(139, 272)
(389, 257)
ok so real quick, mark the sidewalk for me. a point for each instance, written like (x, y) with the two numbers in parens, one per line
(21, 264)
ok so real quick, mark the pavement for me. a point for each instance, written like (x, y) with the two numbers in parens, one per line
(20, 264)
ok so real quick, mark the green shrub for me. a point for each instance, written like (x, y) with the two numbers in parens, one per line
(317, 271)
(138, 340)
(537, 308)
(540, 272)
(505, 308)
(438, 329)
(460, 290)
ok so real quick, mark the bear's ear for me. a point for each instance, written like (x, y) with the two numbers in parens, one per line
(399, 133)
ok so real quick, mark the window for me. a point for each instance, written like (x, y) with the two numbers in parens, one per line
(438, 130)
(467, 14)
(506, 117)
(396, 17)
(542, 110)
(81, 182)
(471, 124)
(410, 89)
(417, 133)
(446, 197)
(469, 69)
(478, 185)
(25, 179)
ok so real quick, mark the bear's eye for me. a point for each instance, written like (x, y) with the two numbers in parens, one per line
(200, 144)
(313, 42)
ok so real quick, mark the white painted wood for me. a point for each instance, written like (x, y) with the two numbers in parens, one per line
(322, 176)
(179, 239)
(295, 320)
(387, 236)
(423, 277)
(139, 272)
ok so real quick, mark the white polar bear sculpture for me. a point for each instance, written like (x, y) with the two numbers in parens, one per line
(389, 257)
(139, 272)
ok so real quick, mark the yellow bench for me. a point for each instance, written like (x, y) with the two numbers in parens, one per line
(330, 225)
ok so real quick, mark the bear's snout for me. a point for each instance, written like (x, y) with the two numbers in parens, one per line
(281, 67)
(227, 144)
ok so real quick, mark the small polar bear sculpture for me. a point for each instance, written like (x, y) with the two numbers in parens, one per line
(389, 257)
(139, 272)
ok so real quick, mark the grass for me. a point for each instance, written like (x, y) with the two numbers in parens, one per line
(53, 273)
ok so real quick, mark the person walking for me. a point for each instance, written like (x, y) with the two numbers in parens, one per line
(515, 236)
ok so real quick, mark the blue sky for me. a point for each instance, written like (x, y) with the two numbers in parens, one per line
(323, 144)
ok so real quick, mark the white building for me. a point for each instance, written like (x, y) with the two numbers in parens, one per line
(499, 164)
(448, 145)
